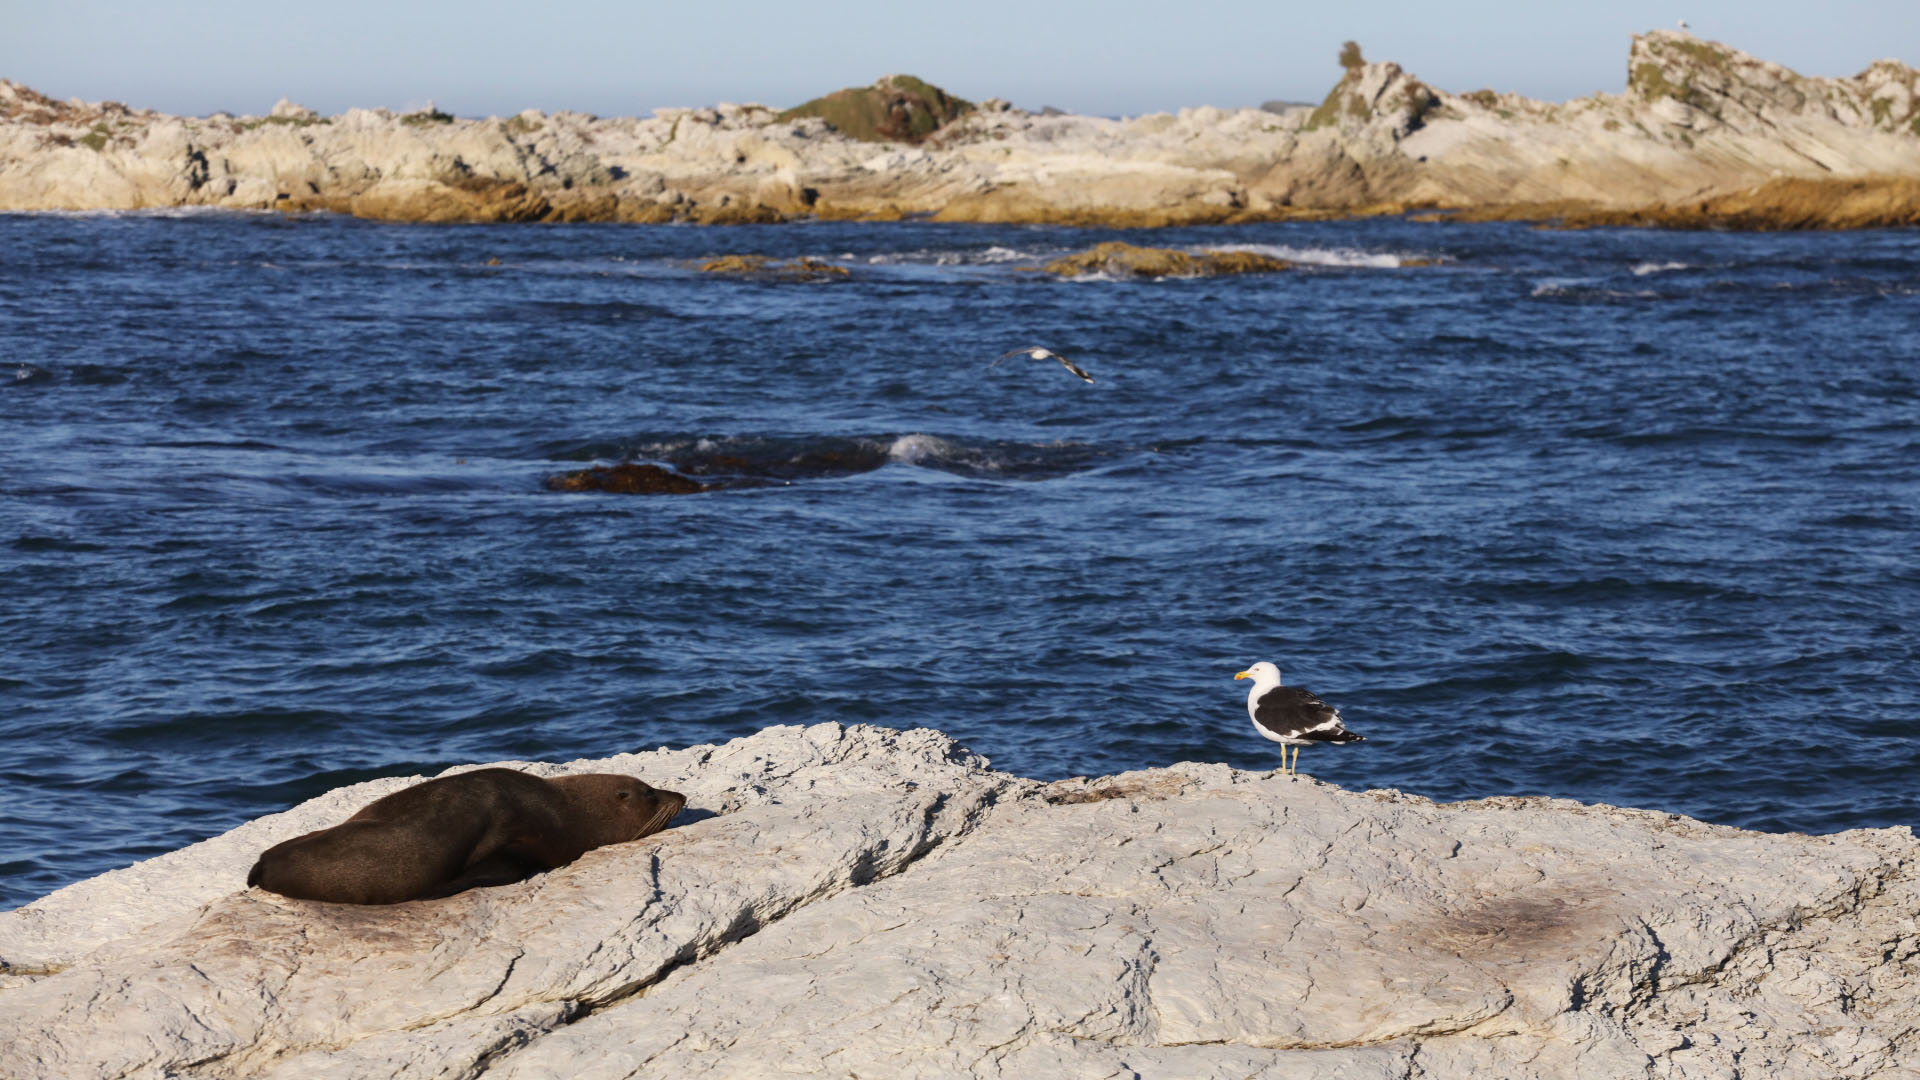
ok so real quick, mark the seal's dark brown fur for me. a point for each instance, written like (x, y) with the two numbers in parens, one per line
(485, 827)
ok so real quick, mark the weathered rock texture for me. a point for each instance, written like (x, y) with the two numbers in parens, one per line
(1697, 121)
(863, 902)
(765, 266)
(1127, 260)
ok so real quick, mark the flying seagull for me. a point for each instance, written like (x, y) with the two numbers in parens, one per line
(1291, 716)
(1039, 353)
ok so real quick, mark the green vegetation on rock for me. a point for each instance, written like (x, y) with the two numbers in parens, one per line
(429, 115)
(1652, 80)
(1703, 52)
(285, 121)
(898, 108)
(1421, 102)
(1328, 114)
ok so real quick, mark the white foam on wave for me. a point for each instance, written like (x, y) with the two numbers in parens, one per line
(1559, 286)
(921, 449)
(950, 257)
(1346, 257)
(998, 254)
(1646, 268)
(1586, 287)
(163, 212)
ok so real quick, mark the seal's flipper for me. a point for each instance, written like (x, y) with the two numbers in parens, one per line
(495, 870)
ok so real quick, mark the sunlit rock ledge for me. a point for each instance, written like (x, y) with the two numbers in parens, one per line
(858, 901)
(1697, 122)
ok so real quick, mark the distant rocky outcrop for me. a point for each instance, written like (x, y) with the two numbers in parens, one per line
(857, 901)
(897, 108)
(1697, 123)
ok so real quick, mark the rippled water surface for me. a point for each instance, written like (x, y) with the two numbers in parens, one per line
(1611, 515)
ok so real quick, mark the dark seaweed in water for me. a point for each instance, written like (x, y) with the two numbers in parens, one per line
(756, 460)
(627, 478)
(1621, 516)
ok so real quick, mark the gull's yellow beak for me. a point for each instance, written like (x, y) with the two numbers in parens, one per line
(1244, 675)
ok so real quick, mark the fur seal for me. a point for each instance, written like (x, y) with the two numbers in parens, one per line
(485, 827)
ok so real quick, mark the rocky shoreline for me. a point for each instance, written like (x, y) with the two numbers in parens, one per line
(1702, 136)
(857, 901)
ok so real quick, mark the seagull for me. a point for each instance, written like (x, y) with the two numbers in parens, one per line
(1039, 353)
(1683, 24)
(1291, 716)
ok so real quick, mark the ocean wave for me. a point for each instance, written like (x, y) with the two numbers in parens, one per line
(1340, 257)
(995, 255)
(1646, 268)
(757, 460)
(157, 212)
(1585, 289)
(1005, 254)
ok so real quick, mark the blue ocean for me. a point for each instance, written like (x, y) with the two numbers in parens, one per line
(1624, 516)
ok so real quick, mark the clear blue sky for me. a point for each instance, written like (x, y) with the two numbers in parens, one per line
(485, 57)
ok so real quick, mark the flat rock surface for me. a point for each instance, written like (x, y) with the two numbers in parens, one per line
(864, 902)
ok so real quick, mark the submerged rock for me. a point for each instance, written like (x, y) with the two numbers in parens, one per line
(627, 479)
(861, 901)
(1125, 260)
(767, 266)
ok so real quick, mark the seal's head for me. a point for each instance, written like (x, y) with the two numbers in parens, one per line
(619, 808)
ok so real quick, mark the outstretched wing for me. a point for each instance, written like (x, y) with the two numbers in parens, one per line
(1073, 367)
(1039, 353)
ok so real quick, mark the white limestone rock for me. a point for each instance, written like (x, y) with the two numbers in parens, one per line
(1696, 117)
(286, 109)
(864, 902)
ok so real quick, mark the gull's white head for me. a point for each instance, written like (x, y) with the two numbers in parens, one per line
(1264, 675)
